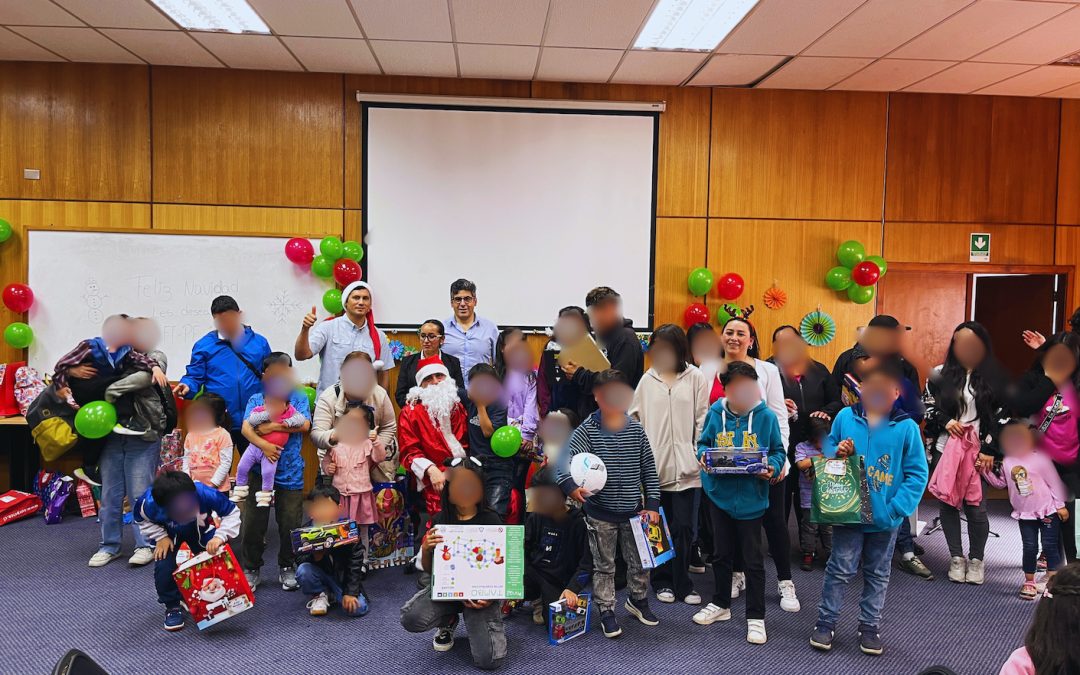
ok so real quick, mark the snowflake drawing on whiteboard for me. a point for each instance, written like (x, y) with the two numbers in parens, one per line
(94, 300)
(283, 307)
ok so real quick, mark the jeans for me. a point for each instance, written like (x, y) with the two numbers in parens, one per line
(289, 512)
(314, 580)
(978, 529)
(498, 483)
(851, 545)
(487, 639)
(127, 468)
(729, 536)
(1049, 530)
(776, 534)
(675, 574)
(604, 537)
(167, 592)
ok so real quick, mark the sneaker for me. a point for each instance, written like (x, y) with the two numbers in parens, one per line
(958, 569)
(538, 612)
(697, 563)
(1029, 591)
(692, 598)
(610, 624)
(144, 555)
(821, 638)
(174, 619)
(665, 595)
(710, 614)
(89, 475)
(789, 602)
(1040, 562)
(640, 609)
(252, 577)
(128, 428)
(444, 638)
(915, 567)
(287, 579)
(102, 558)
(870, 642)
(976, 572)
(319, 605)
(738, 584)
(807, 562)
(755, 631)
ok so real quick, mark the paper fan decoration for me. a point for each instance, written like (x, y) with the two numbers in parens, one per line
(775, 297)
(818, 328)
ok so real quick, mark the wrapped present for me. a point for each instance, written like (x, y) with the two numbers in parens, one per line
(87, 504)
(653, 541)
(172, 452)
(391, 540)
(28, 386)
(56, 496)
(15, 505)
(213, 587)
(323, 537)
(566, 622)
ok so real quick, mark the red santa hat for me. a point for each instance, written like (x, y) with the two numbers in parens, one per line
(432, 365)
(373, 331)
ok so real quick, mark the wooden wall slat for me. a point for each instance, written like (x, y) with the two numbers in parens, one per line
(680, 247)
(249, 219)
(1068, 179)
(949, 243)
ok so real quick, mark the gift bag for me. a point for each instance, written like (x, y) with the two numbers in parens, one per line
(213, 587)
(56, 495)
(172, 452)
(28, 386)
(87, 504)
(15, 505)
(841, 495)
(8, 406)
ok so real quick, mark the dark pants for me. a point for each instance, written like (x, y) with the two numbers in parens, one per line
(498, 483)
(905, 541)
(238, 440)
(674, 574)
(539, 585)
(1071, 478)
(289, 513)
(776, 533)
(731, 535)
(167, 592)
(487, 639)
(1049, 530)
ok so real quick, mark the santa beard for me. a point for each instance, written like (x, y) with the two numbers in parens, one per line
(439, 399)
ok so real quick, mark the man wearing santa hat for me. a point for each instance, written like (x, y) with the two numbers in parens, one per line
(353, 331)
(432, 428)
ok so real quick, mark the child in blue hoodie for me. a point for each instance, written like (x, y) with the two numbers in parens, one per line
(737, 502)
(176, 510)
(890, 444)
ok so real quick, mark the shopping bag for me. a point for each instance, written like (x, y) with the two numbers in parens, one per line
(841, 495)
(213, 587)
(15, 505)
(56, 496)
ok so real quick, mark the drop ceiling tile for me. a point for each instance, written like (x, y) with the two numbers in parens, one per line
(434, 59)
(118, 14)
(964, 78)
(313, 18)
(78, 44)
(786, 26)
(891, 74)
(734, 70)
(880, 26)
(35, 13)
(333, 55)
(254, 52)
(813, 72)
(652, 67)
(977, 28)
(1035, 82)
(14, 47)
(164, 47)
(417, 20)
(508, 62)
(611, 24)
(566, 64)
(1072, 91)
(1042, 44)
(504, 22)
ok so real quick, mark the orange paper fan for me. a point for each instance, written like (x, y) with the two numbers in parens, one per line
(775, 297)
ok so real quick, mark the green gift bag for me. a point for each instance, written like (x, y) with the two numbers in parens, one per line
(840, 497)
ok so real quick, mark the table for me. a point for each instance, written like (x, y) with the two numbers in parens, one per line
(25, 458)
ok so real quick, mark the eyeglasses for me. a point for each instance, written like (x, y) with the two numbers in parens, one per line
(429, 337)
(466, 299)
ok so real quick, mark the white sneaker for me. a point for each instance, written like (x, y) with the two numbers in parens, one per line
(665, 595)
(102, 558)
(692, 598)
(789, 602)
(318, 605)
(755, 631)
(142, 556)
(263, 497)
(239, 493)
(738, 584)
(710, 614)
(958, 569)
(976, 573)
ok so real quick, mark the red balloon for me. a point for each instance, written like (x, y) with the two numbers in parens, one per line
(695, 313)
(730, 286)
(347, 271)
(18, 297)
(866, 273)
(299, 251)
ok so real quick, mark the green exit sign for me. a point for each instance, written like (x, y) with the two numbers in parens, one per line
(980, 247)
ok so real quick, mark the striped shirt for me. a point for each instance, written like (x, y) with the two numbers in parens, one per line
(631, 469)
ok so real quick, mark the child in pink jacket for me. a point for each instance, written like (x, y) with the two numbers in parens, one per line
(349, 463)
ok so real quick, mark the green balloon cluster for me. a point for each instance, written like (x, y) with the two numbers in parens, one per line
(857, 272)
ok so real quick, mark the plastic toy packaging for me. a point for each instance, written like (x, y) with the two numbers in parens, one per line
(735, 461)
(566, 622)
(323, 537)
(653, 541)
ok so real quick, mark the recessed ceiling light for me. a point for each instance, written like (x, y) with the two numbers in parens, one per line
(691, 25)
(230, 16)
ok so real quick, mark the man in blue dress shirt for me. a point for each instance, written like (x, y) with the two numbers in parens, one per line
(468, 337)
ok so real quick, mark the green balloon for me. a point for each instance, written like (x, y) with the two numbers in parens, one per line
(331, 247)
(352, 250)
(5, 230)
(321, 266)
(506, 441)
(331, 301)
(312, 396)
(18, 335)
(722, 315)
(838, 278)
(860, 295)
(850, 253)
(700, 281)
(95, 419)
(880, 262)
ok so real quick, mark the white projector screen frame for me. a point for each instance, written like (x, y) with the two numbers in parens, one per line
(398, 308)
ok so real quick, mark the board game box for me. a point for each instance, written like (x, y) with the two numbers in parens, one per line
(653, 541)
(565, 622)
(213, 587)
(323, 537)
(479, 562)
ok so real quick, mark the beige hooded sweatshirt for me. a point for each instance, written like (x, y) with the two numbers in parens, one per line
(672, 418)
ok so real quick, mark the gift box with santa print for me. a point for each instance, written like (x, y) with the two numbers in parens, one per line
(213, 587)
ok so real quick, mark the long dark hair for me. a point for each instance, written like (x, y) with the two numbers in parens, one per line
(217, 407)
(1051, 640)
(675, 338)
(470, 464)
(987, 378)
(500, 345)
(754, 351)
(1068, 339)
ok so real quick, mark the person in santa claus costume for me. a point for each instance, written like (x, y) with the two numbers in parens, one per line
(432, 428)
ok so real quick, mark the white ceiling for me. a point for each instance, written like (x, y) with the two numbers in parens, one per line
(959, 46)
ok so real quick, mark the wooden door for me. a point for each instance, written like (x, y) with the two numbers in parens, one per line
(1008, 304)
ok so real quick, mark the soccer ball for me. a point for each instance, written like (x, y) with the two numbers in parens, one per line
(588, 472)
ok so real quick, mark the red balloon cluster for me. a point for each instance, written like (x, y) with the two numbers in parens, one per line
(730, 286)
(347, 271)
(18, 297)
(695, 313)
(299, 251)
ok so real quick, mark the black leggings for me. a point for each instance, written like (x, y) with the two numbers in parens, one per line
(1071, 478)
(776, 531)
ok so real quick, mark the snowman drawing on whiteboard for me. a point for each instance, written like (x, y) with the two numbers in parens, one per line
(95, 300)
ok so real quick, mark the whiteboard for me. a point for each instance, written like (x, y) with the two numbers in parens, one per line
(536, 206)
(79, 278)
